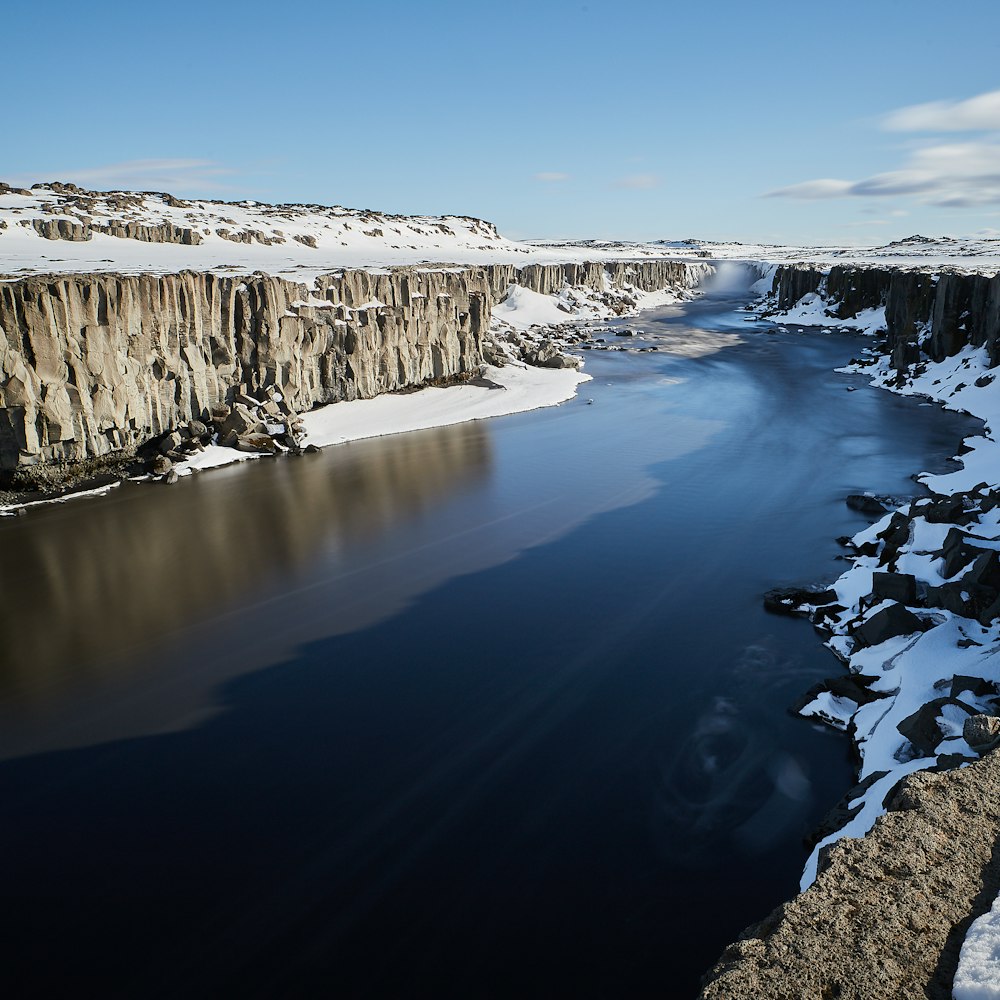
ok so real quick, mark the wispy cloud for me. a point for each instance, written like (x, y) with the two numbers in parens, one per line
(174, 175)
(975, 114)
(822, 188)
(639, 182)
(551, 176)
(947, 174)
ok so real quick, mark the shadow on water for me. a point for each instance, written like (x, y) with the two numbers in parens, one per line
(521, 734)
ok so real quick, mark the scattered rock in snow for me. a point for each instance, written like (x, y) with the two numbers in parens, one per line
(982, 733)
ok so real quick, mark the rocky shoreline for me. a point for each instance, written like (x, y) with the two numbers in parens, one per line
(906, 861)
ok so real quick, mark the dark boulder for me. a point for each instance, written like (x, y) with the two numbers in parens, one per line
(790, 600)
(895, 535)
(864, 504)
(901, 587)
(976, 686)
(947, 510)
(985, 571)
(923, 729)
(886, 624)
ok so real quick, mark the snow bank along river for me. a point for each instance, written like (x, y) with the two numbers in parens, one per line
(484, 710)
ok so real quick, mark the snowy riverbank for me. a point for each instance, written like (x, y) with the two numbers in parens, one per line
(915, 622)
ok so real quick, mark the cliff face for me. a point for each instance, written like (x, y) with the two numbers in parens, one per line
(96, 364)
(937, 314)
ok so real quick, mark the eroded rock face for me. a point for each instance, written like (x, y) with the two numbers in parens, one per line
(888, 913)
(96, 364)
(937, 314)
(91, 364)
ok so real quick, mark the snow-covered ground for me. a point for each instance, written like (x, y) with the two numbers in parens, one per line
(978, 974)
(972, 254)
(302, 241)
(298, 242)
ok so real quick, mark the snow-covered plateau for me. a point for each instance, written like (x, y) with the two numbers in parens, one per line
(181, 335)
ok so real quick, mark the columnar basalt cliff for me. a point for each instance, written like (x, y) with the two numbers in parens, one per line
(95, 364)
(931, 314)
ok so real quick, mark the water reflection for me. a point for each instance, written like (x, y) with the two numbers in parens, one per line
(82, 586)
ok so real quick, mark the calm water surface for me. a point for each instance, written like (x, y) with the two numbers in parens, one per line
(488, 711)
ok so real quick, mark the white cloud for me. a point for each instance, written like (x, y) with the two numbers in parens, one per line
(551, 176)
(638, 182)
(980, 113)
(173, 175)
(823, 188)
(946, 174)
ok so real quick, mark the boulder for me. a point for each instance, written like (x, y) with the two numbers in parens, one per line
(895, 535)
(790, 600)
(901, 587)
(197, 429)
(990, 613)
(947, 510)
(982, 733)
(923, 728)
(257, 442)
(162, 465)
(240, 420)
(985, 571)
(171, 442)
(866, 505)
(954, 597)
(886, 624)
(976, 686)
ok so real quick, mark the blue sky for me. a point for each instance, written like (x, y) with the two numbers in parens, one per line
(640, 120)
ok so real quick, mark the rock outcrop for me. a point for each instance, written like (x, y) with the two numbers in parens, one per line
(92, 365)
(934, 315)
(888, 913)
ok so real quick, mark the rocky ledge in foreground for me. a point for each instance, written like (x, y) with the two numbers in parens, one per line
(888, 913)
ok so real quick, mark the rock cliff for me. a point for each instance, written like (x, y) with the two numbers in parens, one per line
(95, 364)
(931, 314)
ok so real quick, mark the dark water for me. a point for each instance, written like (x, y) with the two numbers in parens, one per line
(489, 711)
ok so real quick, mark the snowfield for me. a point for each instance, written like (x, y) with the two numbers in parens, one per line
(300, 242)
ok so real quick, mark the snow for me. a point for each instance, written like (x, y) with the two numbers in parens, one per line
(523, 308)
(831, 709)
(514, 388)
(343, 238)
(360, 238)
(978, 973)
(811, 310)
(12, 510)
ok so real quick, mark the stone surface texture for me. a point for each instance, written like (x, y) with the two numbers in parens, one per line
(888, 913)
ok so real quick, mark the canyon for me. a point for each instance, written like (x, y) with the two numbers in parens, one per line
(99, 361)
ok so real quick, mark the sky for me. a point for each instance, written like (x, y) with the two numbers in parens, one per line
(787, 122)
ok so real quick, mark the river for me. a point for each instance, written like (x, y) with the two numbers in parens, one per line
(487, 711)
